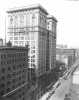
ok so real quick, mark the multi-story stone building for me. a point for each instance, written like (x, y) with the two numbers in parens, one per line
(30, 25)
(13, 72)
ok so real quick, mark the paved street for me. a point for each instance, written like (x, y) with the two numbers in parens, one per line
(60, 92)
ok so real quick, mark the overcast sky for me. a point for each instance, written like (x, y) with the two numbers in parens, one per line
(66, 12)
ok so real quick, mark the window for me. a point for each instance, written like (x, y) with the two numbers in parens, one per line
(33, 16)
(9, 68)
(11, 20)
(23, 98)
(40, 19)
(16, 21)
(14, 74)
(9, 76)
(2, 92)
(1, 56)
(13, 86)
(20, 96)
(15, 32)
(11, 38)
(15, 38)
(3, 70)
(3, 78)
(33, 56)
(2, 62)
(32, 60)
(33, 65)
(8, 83)
(8, 89)
(33, 51)
(19, 78)
(19, 84)
(14, 67)
(14, 80)
(21, 20)
(21, 43)
(22, 38)
(2, 85)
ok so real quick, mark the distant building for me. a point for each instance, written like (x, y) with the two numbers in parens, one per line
(66, 55)
(1, 42)
(13, 72)
(61, 46)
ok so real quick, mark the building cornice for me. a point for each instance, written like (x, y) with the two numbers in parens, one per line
(52, 17)
(19, 9)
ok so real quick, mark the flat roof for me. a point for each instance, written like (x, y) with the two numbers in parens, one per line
(52, 17)
(25, 8)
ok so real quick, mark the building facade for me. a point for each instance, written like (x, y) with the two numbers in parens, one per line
(31, 25)
(66, 55)
(13, 72)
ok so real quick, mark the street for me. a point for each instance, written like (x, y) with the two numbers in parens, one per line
(60, 91)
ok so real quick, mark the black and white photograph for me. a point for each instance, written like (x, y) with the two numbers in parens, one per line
(39, 50)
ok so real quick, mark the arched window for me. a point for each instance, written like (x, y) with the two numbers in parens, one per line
(21, 20)
(16, 21)
(33, 20)
(11, 20)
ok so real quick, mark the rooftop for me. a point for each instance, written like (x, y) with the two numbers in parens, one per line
(25, 8)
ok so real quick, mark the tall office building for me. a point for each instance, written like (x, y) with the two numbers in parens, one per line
(13, 72)
(30, 25)
(51, 26)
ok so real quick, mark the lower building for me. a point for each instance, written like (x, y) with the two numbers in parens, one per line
(13, 72)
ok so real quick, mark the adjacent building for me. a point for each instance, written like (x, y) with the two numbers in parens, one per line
(13, 72)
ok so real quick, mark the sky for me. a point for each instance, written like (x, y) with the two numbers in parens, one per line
(65, 11)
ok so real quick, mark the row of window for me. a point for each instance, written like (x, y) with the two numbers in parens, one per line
(13, 61)
(3, 56)
(4, 90)
(13, 72)
(21, 75)
(13, 68)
